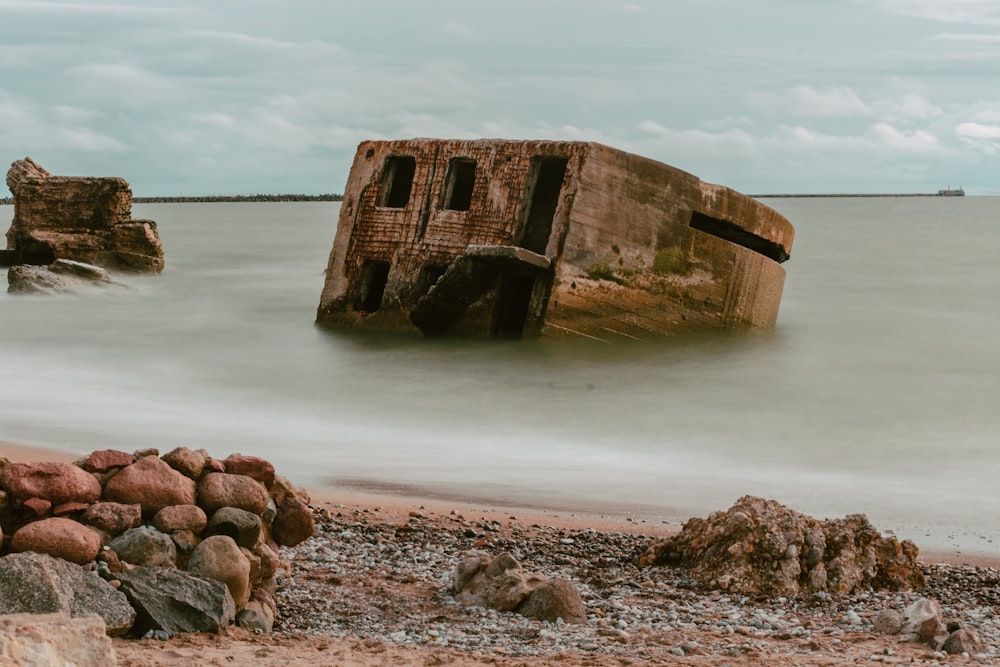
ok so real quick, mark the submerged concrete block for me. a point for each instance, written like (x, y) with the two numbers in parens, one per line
(507, 239)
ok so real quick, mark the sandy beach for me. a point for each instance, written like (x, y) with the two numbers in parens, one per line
(377, 597)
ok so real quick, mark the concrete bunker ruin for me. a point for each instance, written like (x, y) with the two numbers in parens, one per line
(505, 239)
(78, 218)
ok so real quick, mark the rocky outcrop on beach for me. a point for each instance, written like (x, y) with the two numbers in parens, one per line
(184, 543)
(85, 219)
(760, 547)
(63, 276)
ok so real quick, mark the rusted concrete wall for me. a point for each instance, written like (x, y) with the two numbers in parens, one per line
(632, 264)
(617, 229)
(423, 233)
(79, 218)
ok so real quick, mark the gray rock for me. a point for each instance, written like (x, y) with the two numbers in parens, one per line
(964, 640)
(242, 526)
(145, 546)
(55, 640)
(888, 622)
(175, 601)
(35, 583)
(252, 619)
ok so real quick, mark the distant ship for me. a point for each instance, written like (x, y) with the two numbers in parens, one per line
(949, 192)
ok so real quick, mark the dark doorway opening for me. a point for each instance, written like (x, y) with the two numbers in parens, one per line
(547, 174)
(397, 181)
(515, 292)
(428, 276)
(513, 303)
(371, 286)
(458, 183)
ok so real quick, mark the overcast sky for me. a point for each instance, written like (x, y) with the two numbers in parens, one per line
(765, 96)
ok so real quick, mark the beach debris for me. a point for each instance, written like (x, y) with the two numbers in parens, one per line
(36, 583)
(760, 547)
(55, 639)
(206, 522)
(85, 219)
(505, 239)
(500, 583)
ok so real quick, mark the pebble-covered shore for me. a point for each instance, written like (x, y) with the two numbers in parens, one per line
(386, 579)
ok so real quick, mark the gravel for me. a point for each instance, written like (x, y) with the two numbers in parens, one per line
(374, 577)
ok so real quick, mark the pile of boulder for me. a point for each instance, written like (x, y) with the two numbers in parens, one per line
(84, 219)
(155, 545)
(762, 548)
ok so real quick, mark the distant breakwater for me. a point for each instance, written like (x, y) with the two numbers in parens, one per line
(898, 194)
(235, 198)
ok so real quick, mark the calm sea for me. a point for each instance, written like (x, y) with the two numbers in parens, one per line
(878, 393)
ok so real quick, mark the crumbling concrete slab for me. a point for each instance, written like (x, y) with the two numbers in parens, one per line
(506, 239)
(78, 218)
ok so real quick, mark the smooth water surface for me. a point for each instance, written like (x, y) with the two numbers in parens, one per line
(876, 394)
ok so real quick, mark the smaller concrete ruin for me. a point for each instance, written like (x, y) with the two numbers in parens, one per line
(77, 218)
(507, 239)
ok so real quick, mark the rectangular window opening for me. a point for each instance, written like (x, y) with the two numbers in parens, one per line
(730, 231)
(458, 183)
(397, 181)
(371, 286)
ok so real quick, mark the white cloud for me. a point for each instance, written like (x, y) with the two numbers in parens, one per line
(978, 131)
(125, 83)
(894, 138)
(27, 128)
(807, 101)
(975, 12)
(461, 31)
(827, 102)
(971, 37)
(908, 106)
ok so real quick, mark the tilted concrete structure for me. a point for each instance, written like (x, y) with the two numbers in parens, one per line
(525, 238)
(80, 218)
